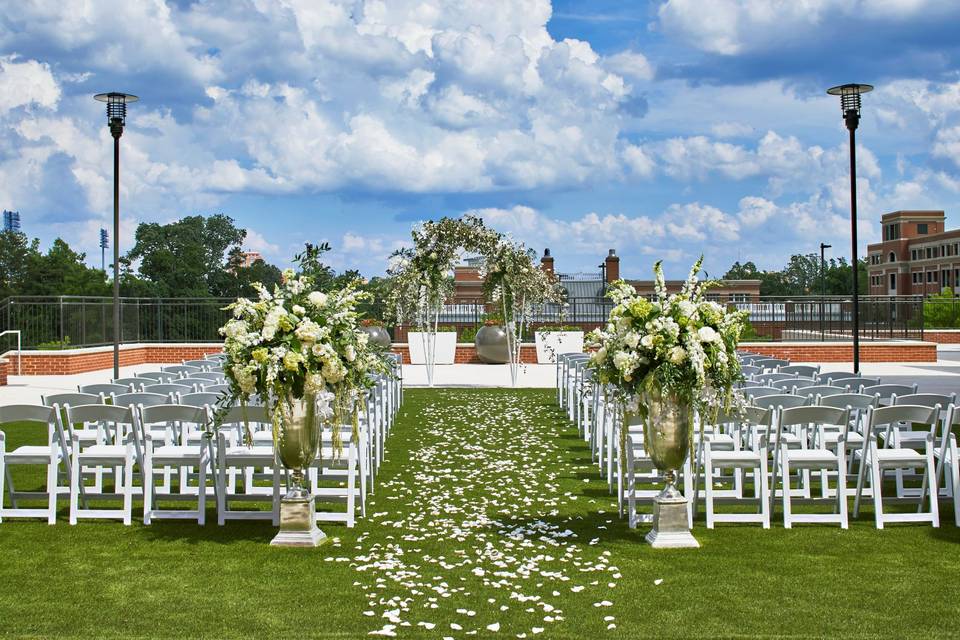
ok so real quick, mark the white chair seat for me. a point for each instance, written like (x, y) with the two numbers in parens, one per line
(29, 454)
(801, 457)
(98, 451)
(176, 452)
(722, 457)
(720, 440)
(890, 456)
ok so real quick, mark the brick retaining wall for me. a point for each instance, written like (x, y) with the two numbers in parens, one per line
(903, 351)
(70, 361)
(942, 336)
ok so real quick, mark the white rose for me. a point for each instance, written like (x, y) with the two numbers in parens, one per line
(647, 341)
(678, 355)
(621, 360)
(707, 334)
(297, 309)
(350, 353)
(317, 298)
(632, 339)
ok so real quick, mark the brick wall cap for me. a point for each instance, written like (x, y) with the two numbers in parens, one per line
(841, 343)
(129, 346)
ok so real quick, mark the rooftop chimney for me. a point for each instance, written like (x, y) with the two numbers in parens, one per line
(612, 264)
(546, 262)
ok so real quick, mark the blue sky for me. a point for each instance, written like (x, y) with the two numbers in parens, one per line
(662, 129)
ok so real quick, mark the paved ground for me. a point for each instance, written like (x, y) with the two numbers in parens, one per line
(940, 377)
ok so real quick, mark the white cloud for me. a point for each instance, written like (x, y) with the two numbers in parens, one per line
(26, 83)
(730, 27)
(947, 145)
(630, 64)
(255, 241)
(732, 130)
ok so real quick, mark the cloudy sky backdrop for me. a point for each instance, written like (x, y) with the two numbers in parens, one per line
(661, 128)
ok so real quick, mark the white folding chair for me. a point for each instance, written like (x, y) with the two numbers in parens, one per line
(807, 420)
(180, 455)
(746, 451)
(874, 461)
(44, 427)
(118, 454)
(245, 459)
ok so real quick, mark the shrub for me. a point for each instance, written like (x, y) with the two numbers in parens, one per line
(557, 328)
(941, 310)
(468, 335)
(54, 345)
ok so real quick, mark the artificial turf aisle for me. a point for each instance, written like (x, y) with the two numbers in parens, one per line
(488, 518)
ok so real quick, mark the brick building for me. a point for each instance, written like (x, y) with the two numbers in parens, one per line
(584, 286)
(916, 256)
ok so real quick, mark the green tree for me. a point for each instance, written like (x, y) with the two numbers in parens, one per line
(325, 278)
(15, 250)
(801, 276)
(186, 257)
(236, 280)
(62, 271)
(941, 310)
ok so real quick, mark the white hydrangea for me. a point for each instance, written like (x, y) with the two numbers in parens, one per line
(317, 298)
(708, 334)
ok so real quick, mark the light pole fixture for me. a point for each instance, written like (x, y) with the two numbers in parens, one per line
(850, 105)
(116, 119)
(823, 286)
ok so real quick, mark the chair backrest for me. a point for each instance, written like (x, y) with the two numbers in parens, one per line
(27, 413)
(806, 370)
(216, 388)
(750, 370)
(206, 376)
(165, 413)
(822, 390)
(858, 401)
(136, 382)
(889, 390)
(105, 388)
(159, 376)
(181, 368)
(826, 376)
(239, 415)
(218, 357)
(784, 385)
(99, 413)
(200, 399)
(203, 365)
(72, 399)
(770, 363)
(784, 400)
(813, 415)
(927, 399)
(912, 413)
(759, 392)
(773, 377)
(855, 382)
(143, 398)
(171, 387)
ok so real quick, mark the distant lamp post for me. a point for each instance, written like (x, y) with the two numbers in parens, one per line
(104, 245)
(850, 105)
(116, 118)
(823, 286)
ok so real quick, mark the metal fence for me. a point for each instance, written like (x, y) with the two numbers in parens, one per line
(74, 321)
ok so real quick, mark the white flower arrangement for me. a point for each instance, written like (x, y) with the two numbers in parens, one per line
(681, 342)
(293, 342)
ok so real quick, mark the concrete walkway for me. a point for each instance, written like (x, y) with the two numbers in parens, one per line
(940, 377)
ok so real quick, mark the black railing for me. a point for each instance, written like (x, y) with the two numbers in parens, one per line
(74, 321)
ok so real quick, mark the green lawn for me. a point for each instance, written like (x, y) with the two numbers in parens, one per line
(487, 512)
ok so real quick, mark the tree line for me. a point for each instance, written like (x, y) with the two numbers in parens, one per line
(196, 256)
(802, 277)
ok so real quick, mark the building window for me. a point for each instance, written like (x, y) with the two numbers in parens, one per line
(929, 253)
(929, 276)
(922, 228)
(913, 254)
(892, 257)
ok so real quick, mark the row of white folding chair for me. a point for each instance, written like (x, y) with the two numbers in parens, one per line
(898, 438)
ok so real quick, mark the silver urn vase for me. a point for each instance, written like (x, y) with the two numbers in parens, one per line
(378, 336)
(668, 425)
(297, 430)
(491, 343)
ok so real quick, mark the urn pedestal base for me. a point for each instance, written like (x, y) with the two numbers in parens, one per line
(670, 530)
(298, 527)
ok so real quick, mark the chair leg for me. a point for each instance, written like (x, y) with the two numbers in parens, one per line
(276, 495)
(351, 485)
(785, 466)
(842, 494)
(876, 482)
(128, 488)
(74, 485)
(934, 488)
(220, 477)
(708, 489)
(3, 473)
(53, 485)
(764, 492)
(148, 479)
(202, 493)
(951, 474)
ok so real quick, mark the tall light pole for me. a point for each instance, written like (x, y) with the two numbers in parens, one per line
(116, 119)
(850, 105)
(823, 287)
